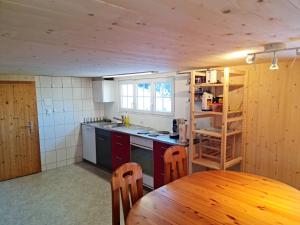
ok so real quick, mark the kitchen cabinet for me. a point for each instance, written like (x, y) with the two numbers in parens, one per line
(120, 149)
(89, 143)
(104, 149)
(159, 149)
(104, 91)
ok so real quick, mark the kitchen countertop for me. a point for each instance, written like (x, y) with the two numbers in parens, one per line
(134, 129)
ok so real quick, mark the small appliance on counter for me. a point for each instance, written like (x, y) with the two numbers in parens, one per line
(175, 128)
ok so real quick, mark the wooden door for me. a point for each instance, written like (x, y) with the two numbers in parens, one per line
(19, 138)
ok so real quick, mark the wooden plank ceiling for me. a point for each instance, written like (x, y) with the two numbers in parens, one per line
(94, 37)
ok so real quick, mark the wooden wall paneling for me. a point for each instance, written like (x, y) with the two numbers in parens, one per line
(244, 123)
(273, 122)
(266, 115)
(251, 120)
(289, 166)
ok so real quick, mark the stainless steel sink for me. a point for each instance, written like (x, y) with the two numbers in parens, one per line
(113, 125)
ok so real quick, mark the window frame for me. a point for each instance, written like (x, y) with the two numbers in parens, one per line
(136, 96)
(164, 80)
(120, 96)
(152, 82)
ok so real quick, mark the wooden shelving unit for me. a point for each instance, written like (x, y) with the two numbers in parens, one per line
(221, 145)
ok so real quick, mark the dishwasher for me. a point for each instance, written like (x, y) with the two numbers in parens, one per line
(89, 143)
(103, 149)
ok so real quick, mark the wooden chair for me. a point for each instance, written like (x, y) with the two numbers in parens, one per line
(126, 181)
(175, 160)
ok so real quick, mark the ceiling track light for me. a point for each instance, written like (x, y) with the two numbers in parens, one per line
(274, 65)
(130, 74)
(250, 58)
(268, 49)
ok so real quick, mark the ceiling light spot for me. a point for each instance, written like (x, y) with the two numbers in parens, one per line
(250, 58)
(226, 11)
(237, 54)
(274, 65)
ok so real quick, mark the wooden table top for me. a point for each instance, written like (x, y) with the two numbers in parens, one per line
(219, 197)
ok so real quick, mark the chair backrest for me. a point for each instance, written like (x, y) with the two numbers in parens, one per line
(175, 160)
(127, 181)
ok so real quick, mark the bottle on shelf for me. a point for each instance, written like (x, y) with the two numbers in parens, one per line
(207, 100)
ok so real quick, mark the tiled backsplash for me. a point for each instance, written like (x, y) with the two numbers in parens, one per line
(63, 102)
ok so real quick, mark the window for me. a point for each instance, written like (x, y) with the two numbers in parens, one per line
(143, 96)
(127, 96)
(151, 95)
(163, 97)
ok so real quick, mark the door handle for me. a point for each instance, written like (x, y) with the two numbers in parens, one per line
(30, 126)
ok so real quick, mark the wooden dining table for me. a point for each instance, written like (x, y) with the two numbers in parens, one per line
(219, 197)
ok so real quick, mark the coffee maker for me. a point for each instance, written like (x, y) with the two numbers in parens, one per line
(175, 128)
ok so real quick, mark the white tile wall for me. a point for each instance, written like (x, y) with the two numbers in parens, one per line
(63, 102)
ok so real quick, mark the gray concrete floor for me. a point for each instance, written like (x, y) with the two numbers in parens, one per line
(79, 194)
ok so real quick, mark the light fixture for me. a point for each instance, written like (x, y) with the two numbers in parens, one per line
(274, 65)
(250, 58)
(130, 74)
(237, 54)
(272, 48)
